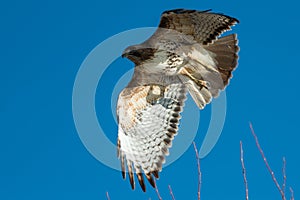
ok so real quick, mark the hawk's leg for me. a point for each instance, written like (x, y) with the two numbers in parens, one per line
(202, 84)
(199, 82)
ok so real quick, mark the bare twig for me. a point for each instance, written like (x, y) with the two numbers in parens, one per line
(171, 192)
(107, 196)
(244, 171)
(157, 192)
(292, 193)
(266, 163)
(283, 174)
(199, 170)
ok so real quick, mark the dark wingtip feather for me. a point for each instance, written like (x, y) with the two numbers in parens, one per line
(156, 174)
(131, 180)
(150, 179)
(226, 26)
(132, 184)
(130, 172)
(141, 181)
(204, 11)
(123, 175)
(123, 166)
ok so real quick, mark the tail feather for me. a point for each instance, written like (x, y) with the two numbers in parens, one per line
(205, 80)
(225, 50)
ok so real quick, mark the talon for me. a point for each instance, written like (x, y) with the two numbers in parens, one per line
(202, 84)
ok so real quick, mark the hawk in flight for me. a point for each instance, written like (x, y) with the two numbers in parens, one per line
(184, 55)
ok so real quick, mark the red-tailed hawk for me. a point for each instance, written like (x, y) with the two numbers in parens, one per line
(183, 55)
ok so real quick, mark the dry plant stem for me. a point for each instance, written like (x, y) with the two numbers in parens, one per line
(292, 194)
(171, 192)
(244, 171)
(107, 196)
(283, 174)
(266, 163)
(157, 192)
(199, 170)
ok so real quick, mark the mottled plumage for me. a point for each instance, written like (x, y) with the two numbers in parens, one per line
(183, 55)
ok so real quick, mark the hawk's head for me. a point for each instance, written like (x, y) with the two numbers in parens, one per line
(138, 54)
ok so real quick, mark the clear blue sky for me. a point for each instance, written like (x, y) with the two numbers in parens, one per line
(43, 44)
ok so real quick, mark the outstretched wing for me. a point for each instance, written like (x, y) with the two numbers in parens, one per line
(185, 46)
(148, 121)
(203, 26)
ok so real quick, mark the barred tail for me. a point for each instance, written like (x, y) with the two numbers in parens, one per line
(225, 50)
(204, 81)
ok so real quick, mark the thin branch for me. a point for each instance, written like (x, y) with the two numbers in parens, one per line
(292, 193)
(244, 171)
(157, 192)
(171, 192)
(199, 170)
(266, 163)
(107, 196)
(283, 174)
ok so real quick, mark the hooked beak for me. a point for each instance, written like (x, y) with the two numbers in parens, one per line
(125, 54)
(131, 54)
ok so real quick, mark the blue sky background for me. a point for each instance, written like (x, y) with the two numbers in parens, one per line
(43, 44)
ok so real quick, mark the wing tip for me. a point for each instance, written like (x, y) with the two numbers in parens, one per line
(156, 174)
(141, 181)
(150, 179)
